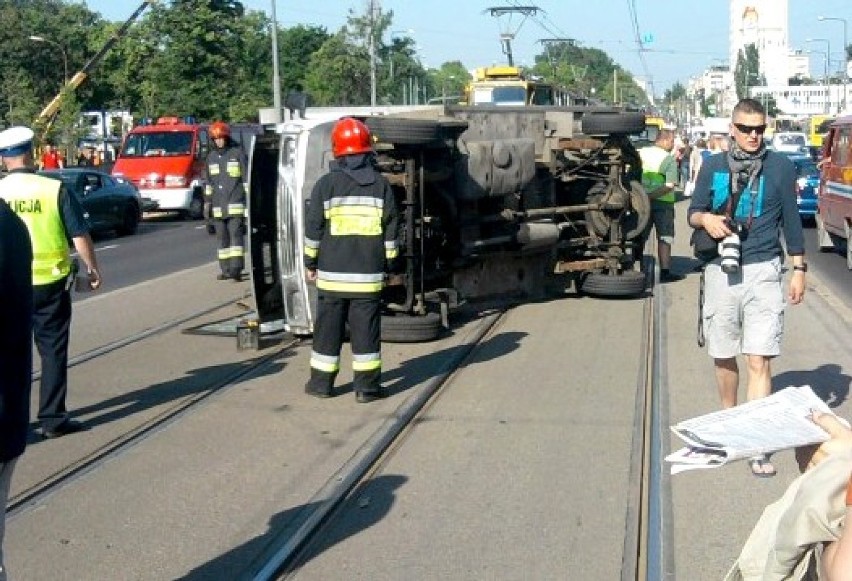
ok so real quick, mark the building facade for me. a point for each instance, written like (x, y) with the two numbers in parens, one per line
(763, 23)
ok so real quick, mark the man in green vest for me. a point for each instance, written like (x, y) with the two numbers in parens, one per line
(52, 215)
(659, 176)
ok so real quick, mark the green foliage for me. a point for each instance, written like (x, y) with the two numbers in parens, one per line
(212, 59)
(587, 72)
(747, 71)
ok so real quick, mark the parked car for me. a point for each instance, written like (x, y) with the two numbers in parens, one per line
(807, 184)
(110, 203)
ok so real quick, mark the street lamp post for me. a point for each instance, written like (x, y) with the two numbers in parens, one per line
(276, 73)
(36, 38)
(827, 80)
(845, 54)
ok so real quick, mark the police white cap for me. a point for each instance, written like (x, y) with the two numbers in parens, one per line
(15, 141)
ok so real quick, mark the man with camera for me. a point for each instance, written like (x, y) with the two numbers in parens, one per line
(743, 198)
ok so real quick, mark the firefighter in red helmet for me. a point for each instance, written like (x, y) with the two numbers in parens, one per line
(225, 194)
(350, 243)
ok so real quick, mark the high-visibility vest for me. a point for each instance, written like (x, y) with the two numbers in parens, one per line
(35, 199)
(652, 178)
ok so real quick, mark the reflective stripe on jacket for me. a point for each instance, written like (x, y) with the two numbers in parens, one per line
(351, 234)
(226, 173)
(652, 175)
(36, 200)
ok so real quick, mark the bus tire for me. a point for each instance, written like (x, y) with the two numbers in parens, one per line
(613, 123)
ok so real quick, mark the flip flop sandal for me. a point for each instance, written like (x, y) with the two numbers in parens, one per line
(758, 466)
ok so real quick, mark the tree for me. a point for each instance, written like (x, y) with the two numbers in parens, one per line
(339, 73)
(747, 70)
(295, 47)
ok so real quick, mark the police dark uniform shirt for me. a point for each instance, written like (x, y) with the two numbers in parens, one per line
(226, 173)
(351, 228)
(74, 217)
(16, 306)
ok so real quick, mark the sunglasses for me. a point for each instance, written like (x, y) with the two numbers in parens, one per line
(747, 129)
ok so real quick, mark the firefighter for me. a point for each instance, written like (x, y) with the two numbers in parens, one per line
(226, 196)
(350, 243)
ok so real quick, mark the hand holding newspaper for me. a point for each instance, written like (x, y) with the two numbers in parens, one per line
(762, 426)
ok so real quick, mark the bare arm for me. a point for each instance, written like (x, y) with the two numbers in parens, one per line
(86, 249)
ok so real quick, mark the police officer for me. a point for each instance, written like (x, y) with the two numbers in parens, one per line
(16, 327)
(350, 242)
(53, 216)
(226, 194)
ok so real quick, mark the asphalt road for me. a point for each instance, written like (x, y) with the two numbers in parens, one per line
(829, 267)
(163, 244)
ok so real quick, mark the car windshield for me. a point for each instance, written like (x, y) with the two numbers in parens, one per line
(791, 140)
(806, 169)
(157, 144)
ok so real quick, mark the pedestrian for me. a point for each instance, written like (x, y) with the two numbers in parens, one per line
(86, 157)
(696, 158)
(350, 243)
(53, 216)
(51, 158)
(297, 100)
(226, 196)
(743, 199)
(659, 178)
(16, 325)
(805, 534)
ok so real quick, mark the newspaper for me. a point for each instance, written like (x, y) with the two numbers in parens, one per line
(762, 426)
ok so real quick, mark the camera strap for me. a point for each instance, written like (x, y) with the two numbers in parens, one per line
(734, 200)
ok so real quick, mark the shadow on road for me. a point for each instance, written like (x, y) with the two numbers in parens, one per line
(366, 507)
(828, 382)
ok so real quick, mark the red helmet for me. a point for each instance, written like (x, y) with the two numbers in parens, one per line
(219, 129)
(350, 136)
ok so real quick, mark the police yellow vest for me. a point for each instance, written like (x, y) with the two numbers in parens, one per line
(652, 178)
(35, 199)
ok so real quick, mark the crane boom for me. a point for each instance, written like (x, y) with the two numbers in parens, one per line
(47, 114)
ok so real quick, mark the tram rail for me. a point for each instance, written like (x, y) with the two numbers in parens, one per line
(644, 538)
(32, 495)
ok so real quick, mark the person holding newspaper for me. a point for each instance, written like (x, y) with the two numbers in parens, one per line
(806, 533)
(742, 199)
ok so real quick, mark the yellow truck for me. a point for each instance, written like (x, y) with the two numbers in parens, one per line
(509, 86)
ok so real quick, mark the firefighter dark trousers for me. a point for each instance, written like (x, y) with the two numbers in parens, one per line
(364, 317)
(230, 232)
(51, 327)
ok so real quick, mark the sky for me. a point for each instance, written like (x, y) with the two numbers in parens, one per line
(686, 36)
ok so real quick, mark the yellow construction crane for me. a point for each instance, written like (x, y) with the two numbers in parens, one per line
(45, 119)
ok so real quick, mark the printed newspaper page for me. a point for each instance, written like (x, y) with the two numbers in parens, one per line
(766, 425)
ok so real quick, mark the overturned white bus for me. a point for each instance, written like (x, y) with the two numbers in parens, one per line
(494, 201)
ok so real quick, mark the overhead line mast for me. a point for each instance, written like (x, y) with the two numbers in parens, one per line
(508, 36)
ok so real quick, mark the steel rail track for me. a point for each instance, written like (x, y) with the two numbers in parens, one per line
(645, 554)
(282, 556)
(136, 337)
(36, 493)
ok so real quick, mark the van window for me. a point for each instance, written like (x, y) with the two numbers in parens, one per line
(158, 144)
(840, 147)
(203, 144)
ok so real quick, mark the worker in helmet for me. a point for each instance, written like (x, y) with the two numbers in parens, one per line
(350, 243)
(225, 194)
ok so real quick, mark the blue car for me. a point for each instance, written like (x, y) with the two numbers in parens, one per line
(807, 183)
